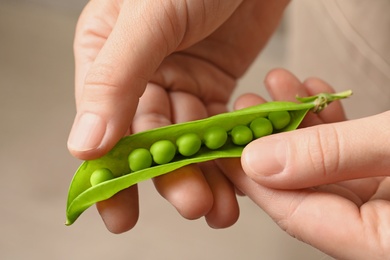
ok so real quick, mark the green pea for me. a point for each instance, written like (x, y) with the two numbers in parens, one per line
(81, 195)
(215, 137)
(241, 135)
(188, 144)
(163, 151)
(261, 127)
(140, 159)
(279, 119)
(100, 175)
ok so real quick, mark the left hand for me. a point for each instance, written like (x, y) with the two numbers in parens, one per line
(146, 64)
(325, 184)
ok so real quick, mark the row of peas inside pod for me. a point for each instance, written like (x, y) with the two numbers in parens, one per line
(188, 144)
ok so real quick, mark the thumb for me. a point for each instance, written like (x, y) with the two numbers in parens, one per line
(111, 84)
(321, 154)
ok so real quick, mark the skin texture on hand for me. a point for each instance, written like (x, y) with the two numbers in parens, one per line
(197, 47)
(142, 64)
(325, 185)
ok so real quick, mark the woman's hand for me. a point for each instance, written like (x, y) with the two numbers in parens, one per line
(143, 64)
(325, 185)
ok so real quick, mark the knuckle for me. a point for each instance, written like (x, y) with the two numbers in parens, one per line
(99, 79)
(103, 82)
(324, 150)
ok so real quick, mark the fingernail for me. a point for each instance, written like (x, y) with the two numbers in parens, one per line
(87, 133)
(265, 157)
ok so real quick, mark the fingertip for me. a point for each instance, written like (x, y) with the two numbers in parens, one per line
(225, 211)
(216, 221)
(92, 136)
(264, 158)
(86, 137)
(277, 75)
(247, 100)
(87, 132)
(283, 85)
(335, 111)
(316, 85)
(120, 213)
(187, 190)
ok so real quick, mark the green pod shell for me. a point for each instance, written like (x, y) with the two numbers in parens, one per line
(82, 194)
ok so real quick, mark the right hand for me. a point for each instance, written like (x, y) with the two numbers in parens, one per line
(326, 184)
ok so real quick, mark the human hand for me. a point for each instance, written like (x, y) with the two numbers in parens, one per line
(325, 185)
(145, 64)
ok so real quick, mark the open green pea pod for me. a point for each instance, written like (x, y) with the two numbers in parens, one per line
(82, 194)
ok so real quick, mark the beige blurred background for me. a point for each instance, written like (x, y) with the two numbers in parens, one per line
(36, 112)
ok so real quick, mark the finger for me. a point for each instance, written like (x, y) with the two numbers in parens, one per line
(334, 112)
(383, 190)
(248, 100)
(225, 211)
(283, 85)
(315, 217)
(109, 96)
(186, 107)
(120, 212)
(322, 154)
(186, 188)
(153, 111)
(364, 188)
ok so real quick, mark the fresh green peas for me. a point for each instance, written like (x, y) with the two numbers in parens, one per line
(100, 175)
(215, 137)
(261, 127)
(241, 135)
(140, 159)
(163, 151)
(90, 185)
(279, 119)
(188, 144)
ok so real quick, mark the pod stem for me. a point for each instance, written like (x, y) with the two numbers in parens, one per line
(322, 100)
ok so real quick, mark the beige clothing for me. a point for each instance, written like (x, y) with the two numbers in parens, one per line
(346, 43)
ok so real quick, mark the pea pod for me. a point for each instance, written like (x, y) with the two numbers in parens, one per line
(82, 194)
